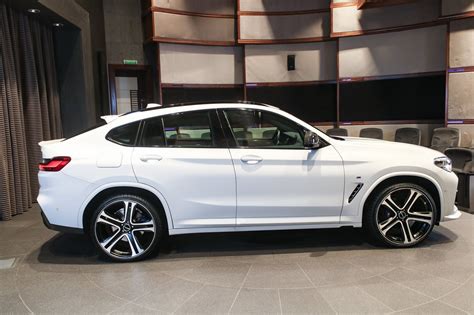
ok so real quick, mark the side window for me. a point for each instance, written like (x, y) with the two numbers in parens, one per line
(188, 129)
(153, 134)
(261, 129)
(124, 135)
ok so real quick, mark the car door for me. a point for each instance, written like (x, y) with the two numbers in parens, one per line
(185, 157)
(279, 181)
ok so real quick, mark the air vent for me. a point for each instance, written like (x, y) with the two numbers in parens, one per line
(355, 191)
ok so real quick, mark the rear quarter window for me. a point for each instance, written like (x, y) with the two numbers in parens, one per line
(124, 135)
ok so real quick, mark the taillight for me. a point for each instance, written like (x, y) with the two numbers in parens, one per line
(55, 164)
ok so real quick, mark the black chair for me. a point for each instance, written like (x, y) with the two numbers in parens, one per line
(463, 166)
(373, 133)
(444, 138)
(338, 132)
(408, 135)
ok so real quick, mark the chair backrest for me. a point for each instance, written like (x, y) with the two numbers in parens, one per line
(374, 133)
(444, 138)
(460, 157)
(341, 132)
(408, 135)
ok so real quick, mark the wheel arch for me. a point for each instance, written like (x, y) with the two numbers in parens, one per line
(423, 180)
(141, 190)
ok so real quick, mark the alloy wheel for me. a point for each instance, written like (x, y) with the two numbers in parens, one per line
(405, 216)
(125, 229)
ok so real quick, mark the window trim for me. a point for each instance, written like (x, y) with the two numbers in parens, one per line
(230, 132)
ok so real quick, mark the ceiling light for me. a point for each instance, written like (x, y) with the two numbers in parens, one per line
(58, 24)
(34, 11)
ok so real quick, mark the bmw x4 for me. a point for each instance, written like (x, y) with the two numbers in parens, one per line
(236, 167)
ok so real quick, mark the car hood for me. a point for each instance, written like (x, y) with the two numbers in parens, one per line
(373, 149)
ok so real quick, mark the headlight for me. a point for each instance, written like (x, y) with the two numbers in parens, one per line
(444, 163)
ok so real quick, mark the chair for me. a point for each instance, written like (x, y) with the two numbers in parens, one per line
(444, 138)
(373, 133)
(408, 135)
(268, 134)
(338, 132)
(463, 167)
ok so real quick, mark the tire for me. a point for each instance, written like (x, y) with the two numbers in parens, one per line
(126, 228)
(401, 215)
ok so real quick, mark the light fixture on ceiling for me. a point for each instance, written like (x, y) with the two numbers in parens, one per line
(35, 11)
(58, 24)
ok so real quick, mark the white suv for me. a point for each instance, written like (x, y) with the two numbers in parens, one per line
(236, 167)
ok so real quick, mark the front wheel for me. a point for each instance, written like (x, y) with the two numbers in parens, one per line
(126, 228)
(401, 215)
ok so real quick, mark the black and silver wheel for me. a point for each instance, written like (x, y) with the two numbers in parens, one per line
(126, 228)
(401, 215)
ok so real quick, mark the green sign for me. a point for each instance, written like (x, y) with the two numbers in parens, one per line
(130, 62)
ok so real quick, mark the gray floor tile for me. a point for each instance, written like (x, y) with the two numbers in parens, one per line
(333, 272)
(220, 273)
(132, 309)
(394, 295)
(435, 307)
(168, 297)
(427, 284)
(463, 297)
(276, 276)
(352, 300)
(209, 300)
(12, 304)
(304, 301)
(257, 301)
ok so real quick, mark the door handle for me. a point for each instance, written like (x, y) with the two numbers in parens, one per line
(251, 159)
(146, 158)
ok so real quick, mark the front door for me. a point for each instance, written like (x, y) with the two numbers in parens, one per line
(279, 181)
(185, 157)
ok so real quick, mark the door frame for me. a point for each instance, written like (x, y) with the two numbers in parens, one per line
(113, 69)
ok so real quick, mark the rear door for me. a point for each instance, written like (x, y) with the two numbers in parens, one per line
(185, 157)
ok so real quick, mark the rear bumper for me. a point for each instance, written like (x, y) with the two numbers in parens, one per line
(60, 228)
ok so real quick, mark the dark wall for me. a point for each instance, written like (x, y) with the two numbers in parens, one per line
(123, 31)
(70, 70)
(98, 46)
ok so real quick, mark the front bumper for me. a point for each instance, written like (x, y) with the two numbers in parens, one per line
(455, 214)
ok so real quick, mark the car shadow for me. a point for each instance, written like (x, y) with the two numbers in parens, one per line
(79, 250)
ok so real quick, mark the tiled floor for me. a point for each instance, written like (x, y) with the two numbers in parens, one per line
(322, 271)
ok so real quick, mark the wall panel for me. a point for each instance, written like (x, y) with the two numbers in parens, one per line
(282, 5)
(350, 19)
(461, 43)
(282, 27)
(411, 51)
(452, 7)
(268, 63)
(191, 64)
(201, 6)
(461, 96)
(193, 28)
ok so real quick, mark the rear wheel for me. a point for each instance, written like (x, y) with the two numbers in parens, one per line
(126, 228)
(401, 215)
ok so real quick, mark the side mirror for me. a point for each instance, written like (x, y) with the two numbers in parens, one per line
(311, 140)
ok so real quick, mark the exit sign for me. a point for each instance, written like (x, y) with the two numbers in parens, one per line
(130, 62)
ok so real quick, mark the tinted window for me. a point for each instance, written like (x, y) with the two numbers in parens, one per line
(125, 135)
(153, 134)
(190, 129)
(260, 129)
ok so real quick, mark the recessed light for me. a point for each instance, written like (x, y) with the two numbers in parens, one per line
(34, 11)
(58, 24)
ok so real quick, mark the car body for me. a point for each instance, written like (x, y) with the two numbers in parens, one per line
(224, 167)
